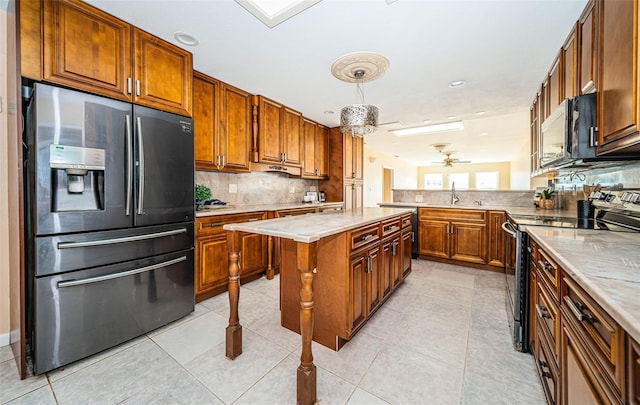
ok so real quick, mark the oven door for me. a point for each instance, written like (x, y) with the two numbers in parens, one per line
(517, 285)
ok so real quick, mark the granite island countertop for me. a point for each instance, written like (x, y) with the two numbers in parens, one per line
(605, 264)
(311, 228)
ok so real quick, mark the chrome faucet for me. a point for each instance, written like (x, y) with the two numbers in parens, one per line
(454, 197)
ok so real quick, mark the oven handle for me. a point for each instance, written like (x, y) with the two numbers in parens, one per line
(509, 228)
(71, 283)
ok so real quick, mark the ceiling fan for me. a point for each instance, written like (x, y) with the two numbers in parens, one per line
(448, 161)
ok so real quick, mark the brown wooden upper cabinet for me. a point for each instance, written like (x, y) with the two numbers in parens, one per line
(222, 117)
(353, 155)
(569, 62)
(587, 52)
(618, 108)
(555, 89)
(316, 150)
(279, 133)
(88, 49)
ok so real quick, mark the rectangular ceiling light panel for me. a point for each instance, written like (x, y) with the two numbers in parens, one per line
(429, 129)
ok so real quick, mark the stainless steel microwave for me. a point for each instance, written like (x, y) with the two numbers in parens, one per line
(569, 133)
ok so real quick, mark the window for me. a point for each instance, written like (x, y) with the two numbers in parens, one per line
(487, 180)
(461, 180)
(433, 181)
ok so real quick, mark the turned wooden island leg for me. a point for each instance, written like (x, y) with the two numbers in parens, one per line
(306, 376)
(234, 330)
(271, 271)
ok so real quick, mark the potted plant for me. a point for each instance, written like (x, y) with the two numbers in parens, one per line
(547, 198)
(203, 193)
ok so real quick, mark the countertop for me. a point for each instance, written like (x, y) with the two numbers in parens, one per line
(605, 264)
(311, 228)
(511, 210)
(239, 209)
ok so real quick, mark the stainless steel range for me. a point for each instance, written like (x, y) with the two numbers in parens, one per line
(616, 211)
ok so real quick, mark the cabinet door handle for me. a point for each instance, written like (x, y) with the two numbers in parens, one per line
(369, 264)
(137, 87)
(576, 308)
(394, 248)
(223, 160)
(129, 85)
(542, 311)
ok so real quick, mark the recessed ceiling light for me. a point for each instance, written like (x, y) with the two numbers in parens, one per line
(329, 112)
(397, 156)
(427, 121)
(427, 129)
(483, 134)
(457, 83)
(480, 112)
(186, 38)
(451, 117)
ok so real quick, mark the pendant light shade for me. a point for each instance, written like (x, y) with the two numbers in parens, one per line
(359, 119)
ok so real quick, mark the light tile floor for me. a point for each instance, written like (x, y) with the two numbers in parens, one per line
(442, 338)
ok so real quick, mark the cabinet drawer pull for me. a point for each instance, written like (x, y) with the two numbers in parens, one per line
(542, 311)
(254, 219)
(544, 373)
(366, 237)
(214, 224)
(547, 266)
(576, 308)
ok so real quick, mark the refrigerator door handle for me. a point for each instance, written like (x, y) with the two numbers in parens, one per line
(101, 242)
(129, 146)
(71, 283)
(140, 168)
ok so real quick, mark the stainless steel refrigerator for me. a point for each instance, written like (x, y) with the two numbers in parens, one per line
(110, 198)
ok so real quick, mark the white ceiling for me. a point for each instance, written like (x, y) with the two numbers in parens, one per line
(501, 48)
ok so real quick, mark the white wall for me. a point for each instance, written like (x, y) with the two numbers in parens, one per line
(521, 169)
(405, 175)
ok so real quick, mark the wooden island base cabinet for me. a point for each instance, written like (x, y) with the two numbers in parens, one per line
(329, 278)
(358, 270)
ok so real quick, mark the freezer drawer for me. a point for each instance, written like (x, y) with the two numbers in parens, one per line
(81, 313)
(61, 253)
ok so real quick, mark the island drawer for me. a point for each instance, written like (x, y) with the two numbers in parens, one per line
(597, 330)
(406, 221)
(364, 236)
(390, 227)
(549, 374)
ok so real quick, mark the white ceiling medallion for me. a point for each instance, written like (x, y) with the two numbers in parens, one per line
(359, 119)
(274, 12)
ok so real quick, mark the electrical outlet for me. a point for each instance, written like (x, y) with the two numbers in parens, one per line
(419, 198)
(292, 189)
(313, 188)
(233, 188)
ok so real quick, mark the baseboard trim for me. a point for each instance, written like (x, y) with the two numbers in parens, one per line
(4, 339)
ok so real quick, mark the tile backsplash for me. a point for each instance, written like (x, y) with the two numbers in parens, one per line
(255, 187)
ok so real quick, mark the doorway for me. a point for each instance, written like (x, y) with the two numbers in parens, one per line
(387, 185)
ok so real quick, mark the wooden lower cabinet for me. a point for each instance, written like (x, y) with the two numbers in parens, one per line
(405, 251)
(354, 279)
(453, 234)
(579, 349)
(633, 371)
(579, 381)
(496, 243)
(212, 260)
(365, 282)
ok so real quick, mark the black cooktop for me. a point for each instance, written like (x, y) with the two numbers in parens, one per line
(603, 220)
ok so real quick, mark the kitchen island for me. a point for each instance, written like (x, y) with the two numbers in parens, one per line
(357, 258)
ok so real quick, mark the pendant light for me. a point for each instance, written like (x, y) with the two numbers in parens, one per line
(359, 119)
